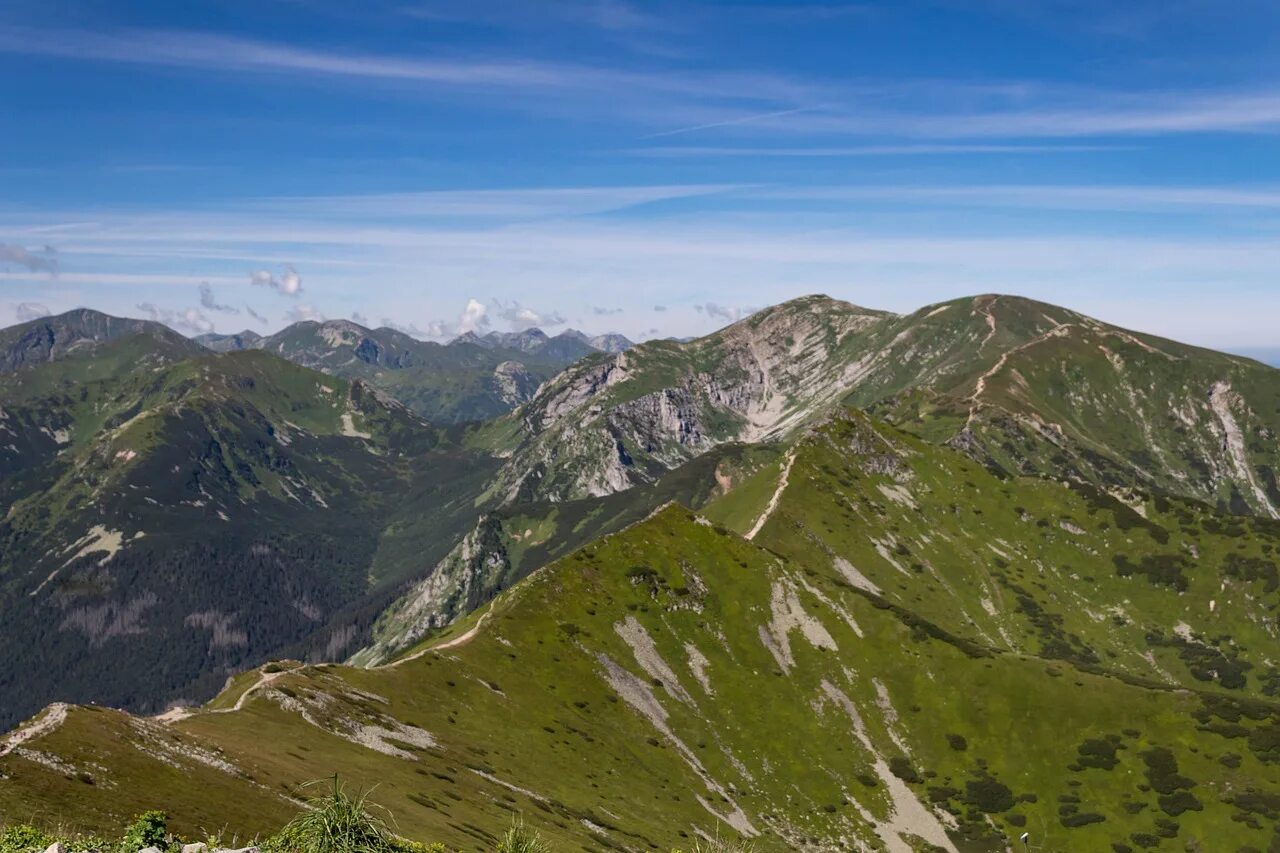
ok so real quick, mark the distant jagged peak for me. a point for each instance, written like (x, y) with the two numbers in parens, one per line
(339, 333)
(473, 339)
(234, 342)
(535, 340)
(611, 342)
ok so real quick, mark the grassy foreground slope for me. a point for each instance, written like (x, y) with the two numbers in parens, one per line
(798, 687)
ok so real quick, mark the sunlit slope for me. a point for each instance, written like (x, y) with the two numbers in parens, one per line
(1151, 587)
(1048, 391)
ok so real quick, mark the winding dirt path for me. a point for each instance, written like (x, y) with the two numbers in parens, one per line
(773, 501)
(451, 643)
(53, 717)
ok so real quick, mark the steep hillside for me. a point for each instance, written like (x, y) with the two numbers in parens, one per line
(1023, 386)
(166, 523)
(469, 379)
(510, 542)
(617, 698)
(1052, 392)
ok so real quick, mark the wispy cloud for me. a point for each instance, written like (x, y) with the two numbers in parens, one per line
(520, 317)
(230, 53)
(1047, 196)
(1059, 115)
(210, 303)
(511, 204)
(704, 100)
(27, 311)
(869, 150)
(190, 320)
(758, 118)
(43, 260)
(729, 314)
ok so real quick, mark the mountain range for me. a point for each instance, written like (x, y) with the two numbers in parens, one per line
(472, 377)
(812, 580)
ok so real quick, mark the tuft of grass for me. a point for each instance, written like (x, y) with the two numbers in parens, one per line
(719, 845)
(520, 839)
(337, 822)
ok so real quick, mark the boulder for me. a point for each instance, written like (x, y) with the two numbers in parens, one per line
(198, 847)
(55, 847)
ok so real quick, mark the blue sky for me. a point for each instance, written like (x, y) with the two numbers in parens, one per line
(647, 167)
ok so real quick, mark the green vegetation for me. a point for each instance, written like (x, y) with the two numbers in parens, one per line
(521, 839)
(1003, 612)
(603, 696)
(165, 522)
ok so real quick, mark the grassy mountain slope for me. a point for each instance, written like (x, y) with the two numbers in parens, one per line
(870, 670)
(1049, 391)
(180, 520)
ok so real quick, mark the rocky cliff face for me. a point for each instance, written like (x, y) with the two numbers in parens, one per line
(608, 425)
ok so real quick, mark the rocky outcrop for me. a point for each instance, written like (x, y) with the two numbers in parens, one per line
(472, 573)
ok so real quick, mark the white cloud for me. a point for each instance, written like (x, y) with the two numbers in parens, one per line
(26, 311)
(255, 315)
(520, 317)
(474, 317)
(41, 260)
(605, 312)
(360, 319)
(288, 282)
(301, 313)
(208, 301)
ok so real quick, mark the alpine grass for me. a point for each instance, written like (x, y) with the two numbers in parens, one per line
(337, 822)
(520, 839)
